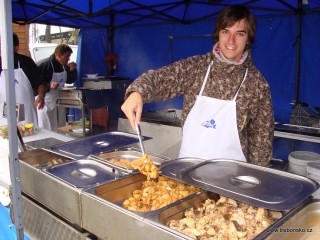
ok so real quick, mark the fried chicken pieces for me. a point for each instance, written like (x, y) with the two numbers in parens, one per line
(144, 164)
(122, 163)
(224, 219)
(148, 168)
(157, 194)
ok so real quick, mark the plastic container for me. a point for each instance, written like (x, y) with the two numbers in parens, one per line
(313, 171)
(298, 161)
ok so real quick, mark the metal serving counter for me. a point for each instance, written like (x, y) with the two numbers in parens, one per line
(166, 137)
(70, 192)
(41, 138)
(91, 211)
(297, 132)
(106, 83)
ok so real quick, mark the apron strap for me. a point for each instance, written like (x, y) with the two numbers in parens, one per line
(53, 67)
(205, 78)
(244, 78)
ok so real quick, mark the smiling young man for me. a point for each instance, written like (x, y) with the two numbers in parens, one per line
(227, 106)
(56, 71)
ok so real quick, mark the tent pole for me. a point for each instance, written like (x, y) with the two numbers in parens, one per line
(298, 48)
(110, 46)
(112, 32)
(8, 71)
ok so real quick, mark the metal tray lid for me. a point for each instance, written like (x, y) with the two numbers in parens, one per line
(255, 185)
(83, 173)
(172, 168)
(93, 145)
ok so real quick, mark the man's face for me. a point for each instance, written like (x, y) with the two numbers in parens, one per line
(233, 40)
(63, 58)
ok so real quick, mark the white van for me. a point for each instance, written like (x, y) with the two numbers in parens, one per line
(40, 51)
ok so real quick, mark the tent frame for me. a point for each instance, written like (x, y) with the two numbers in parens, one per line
(8, 71)
(60, 11)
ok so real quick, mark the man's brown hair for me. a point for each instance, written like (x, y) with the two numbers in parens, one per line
(62, 49)
(231, 15)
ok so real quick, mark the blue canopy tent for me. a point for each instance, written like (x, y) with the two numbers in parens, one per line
(149, 34)
(178, 29)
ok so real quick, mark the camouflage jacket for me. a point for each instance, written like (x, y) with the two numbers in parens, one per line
(255, 117)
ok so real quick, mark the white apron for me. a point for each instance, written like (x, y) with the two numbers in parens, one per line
(48, 116)
(24, 95)
(210, 130)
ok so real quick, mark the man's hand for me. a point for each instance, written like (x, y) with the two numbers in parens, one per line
(54, 85)
(132, 107)
(72, 66)
(39, 102)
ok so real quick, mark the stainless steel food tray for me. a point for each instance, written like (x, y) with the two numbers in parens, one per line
(161, 217)
(258, 186)
(83, 173)
(120, 190)
(49, 191)
(300, 224)
(109, 221)
(42, 143)
(172, 168)
(40, 158)
(94, 145)
(129, 154)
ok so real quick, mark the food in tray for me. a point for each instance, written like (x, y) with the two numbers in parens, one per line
(55, 161)
(122, 163)
(144, 164)
(147, 167)
(224, 219)
(4, 131)
(79, 123)
(157, 194)
(51, 162)
(24, 130)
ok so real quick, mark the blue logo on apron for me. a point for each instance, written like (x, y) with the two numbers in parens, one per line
(209, 124)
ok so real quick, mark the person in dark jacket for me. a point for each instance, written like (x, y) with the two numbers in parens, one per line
(28, 84)
(56, 71)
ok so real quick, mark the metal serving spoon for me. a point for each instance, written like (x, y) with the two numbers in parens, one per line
(138, 130)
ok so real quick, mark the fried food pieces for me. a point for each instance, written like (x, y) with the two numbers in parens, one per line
(144, 164)
(49, 163)
(148, 168)
(154, 195)
(224, 219)
(4, 132)
(122, 163)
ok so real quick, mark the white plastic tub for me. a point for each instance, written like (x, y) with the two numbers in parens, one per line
(313, 172)
(298, 161)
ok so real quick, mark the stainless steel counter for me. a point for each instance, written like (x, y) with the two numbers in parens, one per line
(82, 210)
(106, 83)
(41, 138)
(87, 210)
